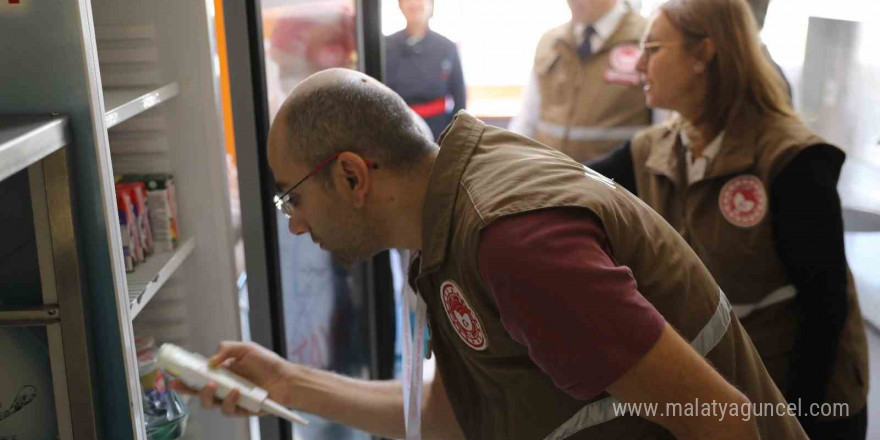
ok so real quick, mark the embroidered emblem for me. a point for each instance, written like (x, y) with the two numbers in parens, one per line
(743, 201)
(463, 318)
(623, 60)
(445, 68)
(625, 57)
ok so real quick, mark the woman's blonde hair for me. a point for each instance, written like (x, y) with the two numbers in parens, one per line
(740, 74)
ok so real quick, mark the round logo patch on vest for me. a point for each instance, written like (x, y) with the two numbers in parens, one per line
(463, 318)
(743, 201)
(625, 57)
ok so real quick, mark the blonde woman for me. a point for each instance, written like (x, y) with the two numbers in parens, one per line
(753, 191)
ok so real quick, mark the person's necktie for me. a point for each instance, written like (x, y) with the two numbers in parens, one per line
(585, 50)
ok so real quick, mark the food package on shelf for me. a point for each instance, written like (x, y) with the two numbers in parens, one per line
(165, 413)
(138, 193)
(127, 227)
(162, 206)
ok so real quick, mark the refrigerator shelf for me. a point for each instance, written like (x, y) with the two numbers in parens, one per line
(121, 104)
(151, 275)
(27, 139)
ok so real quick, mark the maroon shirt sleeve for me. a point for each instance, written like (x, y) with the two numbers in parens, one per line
(561, 294)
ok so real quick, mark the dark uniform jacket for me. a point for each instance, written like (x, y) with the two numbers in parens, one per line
(425, 72)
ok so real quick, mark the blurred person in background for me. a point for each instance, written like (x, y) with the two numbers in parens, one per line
(759, 9)
(754, 192)
(584, 96)
(424, 68)
(305, 38)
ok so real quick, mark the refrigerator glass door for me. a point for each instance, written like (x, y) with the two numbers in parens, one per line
(326, 311)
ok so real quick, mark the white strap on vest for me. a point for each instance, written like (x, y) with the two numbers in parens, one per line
(777, 296)
(588, 133)
(602, 411)
(413, 353)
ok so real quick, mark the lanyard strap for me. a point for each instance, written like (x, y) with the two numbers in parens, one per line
(413, 353)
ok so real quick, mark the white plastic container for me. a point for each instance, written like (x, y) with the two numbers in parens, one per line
(193, 370)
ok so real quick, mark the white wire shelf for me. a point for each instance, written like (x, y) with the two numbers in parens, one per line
(151, 275)
(27, 139)
(121, 104)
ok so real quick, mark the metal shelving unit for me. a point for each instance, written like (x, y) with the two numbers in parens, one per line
(150, 276)
(26, 139)
(122, 104)
(140, 76)
(35, 144)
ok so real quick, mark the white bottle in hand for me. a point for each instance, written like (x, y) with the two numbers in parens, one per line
(193, 370)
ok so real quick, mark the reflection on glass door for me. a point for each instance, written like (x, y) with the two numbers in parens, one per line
(325, 307)
(305, 37)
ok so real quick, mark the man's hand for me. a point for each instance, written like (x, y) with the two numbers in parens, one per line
(369, 405)
(255, 363)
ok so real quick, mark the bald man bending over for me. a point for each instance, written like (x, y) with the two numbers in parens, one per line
(552, 296)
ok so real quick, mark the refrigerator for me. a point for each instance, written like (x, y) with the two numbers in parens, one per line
(296, 301)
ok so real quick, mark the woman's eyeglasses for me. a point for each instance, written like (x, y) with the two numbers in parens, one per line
(649, 48)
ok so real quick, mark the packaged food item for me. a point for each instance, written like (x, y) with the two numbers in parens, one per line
(144, 345)
(152, 382)
(138, 193)
(169, 424)
(162, 206)
(165, 414)
(126, 196)
(126, 226)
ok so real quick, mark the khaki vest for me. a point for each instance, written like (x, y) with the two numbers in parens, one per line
(484, 173)
(737, 245)
(588, 108)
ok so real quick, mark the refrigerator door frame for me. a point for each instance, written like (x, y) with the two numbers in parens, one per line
(247, 74)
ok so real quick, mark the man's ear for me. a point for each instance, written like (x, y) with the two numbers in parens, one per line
(354, 178)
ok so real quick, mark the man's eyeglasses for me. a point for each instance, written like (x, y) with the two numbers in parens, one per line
(282, 202)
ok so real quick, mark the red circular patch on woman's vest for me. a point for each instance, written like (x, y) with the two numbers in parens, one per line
(463, 318)
(743, 201)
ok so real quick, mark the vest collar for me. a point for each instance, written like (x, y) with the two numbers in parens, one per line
(457, 144)
(738, 149)
(628, 30)
(663, 157)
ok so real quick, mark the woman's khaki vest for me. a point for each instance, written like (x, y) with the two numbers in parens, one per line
(484, 173)
(589, 107)
(737, 245)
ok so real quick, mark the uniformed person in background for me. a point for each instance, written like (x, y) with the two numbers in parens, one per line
(550, 300)
(424, 68)
(584, 96)
(753, 191)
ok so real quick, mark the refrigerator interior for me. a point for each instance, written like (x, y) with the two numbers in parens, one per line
(159, 73)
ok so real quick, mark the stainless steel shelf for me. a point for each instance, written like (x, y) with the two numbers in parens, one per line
(121, 104)
(27, 139)
(151, 275)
